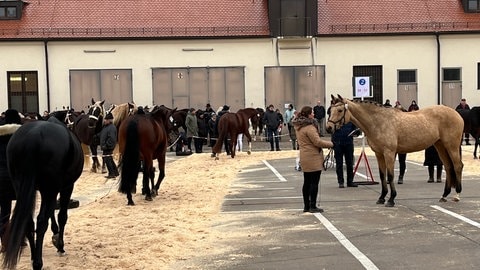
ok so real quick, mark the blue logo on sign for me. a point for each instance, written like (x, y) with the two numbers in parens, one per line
(362, 82)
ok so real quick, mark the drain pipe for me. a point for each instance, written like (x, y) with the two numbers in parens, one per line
(437, 37)
(47, 73)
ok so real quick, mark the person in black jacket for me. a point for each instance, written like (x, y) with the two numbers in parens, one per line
(272, 122)
(108, 141)
(343, 148)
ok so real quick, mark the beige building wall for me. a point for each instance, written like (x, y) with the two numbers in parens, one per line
(337, 54)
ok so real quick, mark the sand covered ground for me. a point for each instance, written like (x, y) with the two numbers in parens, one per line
(105, 233)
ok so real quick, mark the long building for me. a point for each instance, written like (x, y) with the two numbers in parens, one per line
(244, 53)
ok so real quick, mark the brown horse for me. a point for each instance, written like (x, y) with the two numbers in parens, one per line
(143, 137)
(232, 124)
(391, 131)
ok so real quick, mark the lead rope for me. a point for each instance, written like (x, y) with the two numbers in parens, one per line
(329, 162)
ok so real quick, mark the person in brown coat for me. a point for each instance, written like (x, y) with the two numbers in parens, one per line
(311, 156)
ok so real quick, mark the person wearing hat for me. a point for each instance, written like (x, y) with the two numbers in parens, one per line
(108, 141)
(7, 193)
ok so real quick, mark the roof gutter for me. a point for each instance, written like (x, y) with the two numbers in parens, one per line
(437, 37)
(47, 73)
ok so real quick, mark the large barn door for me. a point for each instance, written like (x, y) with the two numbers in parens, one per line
(299, 85)
(84, 85)
(116, 86)
(195, 87)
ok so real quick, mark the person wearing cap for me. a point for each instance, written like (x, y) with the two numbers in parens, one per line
(464, 106)
(108, 141)
(7, 193)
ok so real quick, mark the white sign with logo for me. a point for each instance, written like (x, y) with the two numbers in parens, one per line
(362, 87)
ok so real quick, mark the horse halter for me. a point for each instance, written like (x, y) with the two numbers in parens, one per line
(342, 119)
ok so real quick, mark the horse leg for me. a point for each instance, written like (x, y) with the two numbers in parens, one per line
(161, 174)
(47, 209)
(57, 238)
(381, 170)
(147, 168)
(475, 149)
(249, 140)
(233, 144)
(129, 198)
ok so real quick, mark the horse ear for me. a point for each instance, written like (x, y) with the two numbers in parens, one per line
(93, 101)
(101, 103)
(333, 97)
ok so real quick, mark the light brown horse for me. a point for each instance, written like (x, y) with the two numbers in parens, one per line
(391, 131)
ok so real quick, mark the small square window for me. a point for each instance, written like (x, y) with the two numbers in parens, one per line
(407, 76)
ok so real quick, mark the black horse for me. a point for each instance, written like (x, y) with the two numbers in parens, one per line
(471, 119)
(43, 156)
(87, 127)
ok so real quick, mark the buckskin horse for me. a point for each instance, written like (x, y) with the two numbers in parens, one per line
(391, 131)
(143, 136)
(41, 155)
(230, 125)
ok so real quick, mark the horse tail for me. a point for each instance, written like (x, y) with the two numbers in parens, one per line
(222, 131)
(130, 159)
(22, 214)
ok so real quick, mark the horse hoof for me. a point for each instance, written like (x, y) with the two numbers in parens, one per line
(93, 170)
(104, 171)
(148, 198)
(131, 203)
(61, 253)
(249, 152)
(442, 200)
(390, 204)
(217, 158)
(455, 199)
(380, 201)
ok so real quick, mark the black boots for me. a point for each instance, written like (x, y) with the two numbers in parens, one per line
(112, 168)
(400, 179)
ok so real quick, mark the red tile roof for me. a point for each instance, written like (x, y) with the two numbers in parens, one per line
(394, 16)
(139, 18)
(77, 19)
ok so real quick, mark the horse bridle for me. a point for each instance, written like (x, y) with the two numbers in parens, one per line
(341, 120)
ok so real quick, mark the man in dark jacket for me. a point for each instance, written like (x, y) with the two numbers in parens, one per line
(343, 147)
(272, 121)
(108, 141)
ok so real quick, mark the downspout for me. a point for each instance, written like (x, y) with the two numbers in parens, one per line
(47, 73)
(437, 37)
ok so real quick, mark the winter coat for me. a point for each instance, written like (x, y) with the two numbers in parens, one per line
(311, 145)
(431, 157)
(271, 119)
(192, 125)
(6, 188)
(108, 137)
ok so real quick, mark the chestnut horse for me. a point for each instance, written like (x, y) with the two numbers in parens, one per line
(143, 137)
(391, 131)
(232, 124)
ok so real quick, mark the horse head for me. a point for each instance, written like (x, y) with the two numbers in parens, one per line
(339, 114)
(96, 112)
